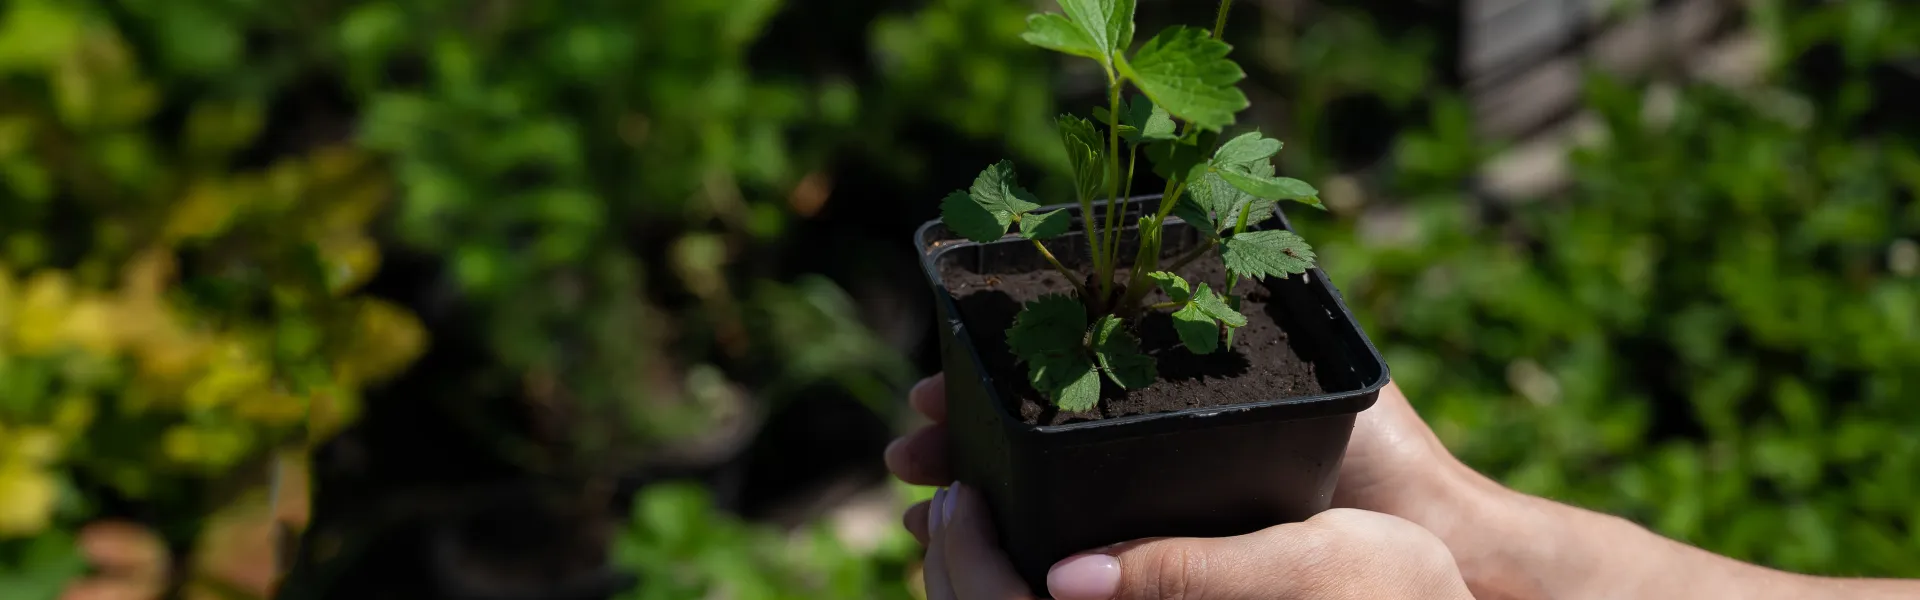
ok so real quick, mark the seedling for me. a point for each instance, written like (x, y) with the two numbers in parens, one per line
(1186, 97)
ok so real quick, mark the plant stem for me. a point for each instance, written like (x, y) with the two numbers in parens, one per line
(1112, 250)
(1239, 227)
(1220, 22)
(1113, 184)
(1071, 276)
(1168, 304)
(1193, 255)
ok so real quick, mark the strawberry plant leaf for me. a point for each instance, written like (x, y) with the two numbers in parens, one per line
(1190, 210)
(1119, 355)
(1073, 384)
(1185, 71)
(1226, 200)
(984, 212)
(1246, 148)
(1054, 32)
(1049, 335)
(1096, 29)
(1213, 306)
(1141, 121)
(1053, 325)
(1171, 283)
(1179, 156)
(1259, 254)
(1037, 226)
(1198, 332)
(1265, 185)
(1085, 153)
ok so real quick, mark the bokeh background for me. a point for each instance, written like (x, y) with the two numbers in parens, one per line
(600, 298)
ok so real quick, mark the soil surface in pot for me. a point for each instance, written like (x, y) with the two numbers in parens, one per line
(1262, 366)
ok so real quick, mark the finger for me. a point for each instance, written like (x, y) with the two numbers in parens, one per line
(920, 458)
(110, 589)
(971, 549)
(939, 582)
(916, 521)
(122, 549)
(930, 397)
(1247, 567)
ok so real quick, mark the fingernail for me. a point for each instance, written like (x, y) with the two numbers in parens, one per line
(946, 510)
(915, 391)
(1085, 577)
(934, 519)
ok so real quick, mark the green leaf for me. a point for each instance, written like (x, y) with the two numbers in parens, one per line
(1178, 157)
(1216, 195)
(1171, 283)
(1212, 306)
(967, 218)
(1190, 211)
(1267, 186)
(1109, 23)
(1074, 385)
(984, 212)
(1085, 152)
(1049, 335)
(1185, 71)
(1037, 226)
(1198, 332)
(1259, 254)
(1120, 356)
(1054, 32)
(1054, 325)
(1141, 121)
(1246, 148)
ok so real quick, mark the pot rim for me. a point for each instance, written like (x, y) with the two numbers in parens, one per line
(931, 251)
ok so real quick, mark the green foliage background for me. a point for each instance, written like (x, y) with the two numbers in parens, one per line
(1715, 331)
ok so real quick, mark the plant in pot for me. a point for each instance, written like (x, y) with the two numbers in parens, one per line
(1094, 401)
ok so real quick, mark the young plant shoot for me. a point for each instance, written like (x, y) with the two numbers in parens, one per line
(1186, 97)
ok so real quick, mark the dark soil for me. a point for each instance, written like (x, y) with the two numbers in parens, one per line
(1261, 366)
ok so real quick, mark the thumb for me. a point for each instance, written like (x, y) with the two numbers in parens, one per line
(1340, 553)
(1245, 567)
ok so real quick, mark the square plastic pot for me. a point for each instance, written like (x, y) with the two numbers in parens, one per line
(1207, 472)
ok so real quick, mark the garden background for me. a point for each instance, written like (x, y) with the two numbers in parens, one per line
(509, 299)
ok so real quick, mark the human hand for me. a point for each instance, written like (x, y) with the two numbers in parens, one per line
(1337, 554)
(1394, 464)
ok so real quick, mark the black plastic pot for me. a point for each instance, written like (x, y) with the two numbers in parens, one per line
(1207, 472)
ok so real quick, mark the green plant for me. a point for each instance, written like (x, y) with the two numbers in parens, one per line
(1188, 97)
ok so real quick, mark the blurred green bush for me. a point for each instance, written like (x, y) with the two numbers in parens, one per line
(1715, 331)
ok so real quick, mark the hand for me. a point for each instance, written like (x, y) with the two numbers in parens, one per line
(1337, 554)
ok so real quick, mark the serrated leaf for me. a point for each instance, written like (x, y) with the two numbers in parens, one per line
(1198, 332)
(1259, 254)
(1109, 23)
(1171, 283)
(1119, 355)
(1055, 32)
(1190, 211)
(972, 221)
(984, 212)
(1084, 152)
(1186, 72)
(1267, 186)
(1147, 121)
(1245, 148)
(1037, 226)
(1228, 201)
(1074, 385)
(1212, 306)
(1179, 156)
(1048, 328)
